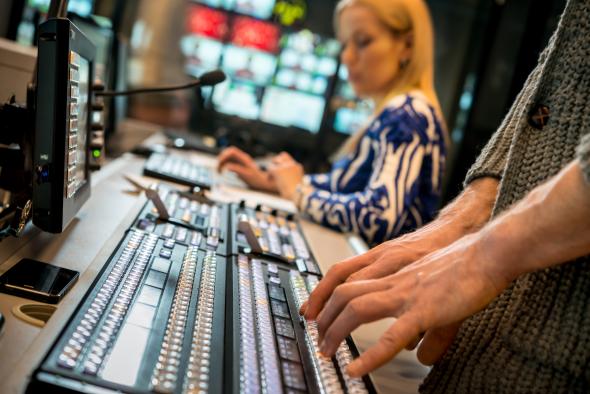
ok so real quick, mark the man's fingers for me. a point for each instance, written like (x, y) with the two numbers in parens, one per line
(402, 332)
(303, 308)
(436, 342)
(336, 275)
(363, 309)
(412, 345)
(341, 296)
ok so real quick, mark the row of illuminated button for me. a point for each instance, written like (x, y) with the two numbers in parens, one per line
(269, 368)
(78, 339)
(178, 167)
(198, 370)
(109, 328)
(181, 234)
(279, 236)
(249, 376)
(165, 374)
(343, 354)
(72, 158)
(325, 372)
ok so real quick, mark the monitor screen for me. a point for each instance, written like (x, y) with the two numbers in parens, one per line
(302, 81)
(307, 42)
(307, 62)
(252, 33)
(248, 64)
(212, 3)
(207, 22)
(258, 8)
(290, 108)
(79, 7)
(349, 120)
(202, 54)
(237, 98)
(343, 88)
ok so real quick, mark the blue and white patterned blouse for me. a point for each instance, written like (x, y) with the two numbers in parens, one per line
(392, 182)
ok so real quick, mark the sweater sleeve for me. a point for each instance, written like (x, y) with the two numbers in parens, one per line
(379, 211)
(583, 154)
(492, 159)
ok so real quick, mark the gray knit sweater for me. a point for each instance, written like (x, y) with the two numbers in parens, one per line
(535, 336)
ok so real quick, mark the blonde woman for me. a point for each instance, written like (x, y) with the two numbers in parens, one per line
(388, 176)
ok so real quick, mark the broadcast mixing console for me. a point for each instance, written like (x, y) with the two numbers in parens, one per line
(205, 301)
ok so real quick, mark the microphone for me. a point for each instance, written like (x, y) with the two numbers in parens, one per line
(208, 79)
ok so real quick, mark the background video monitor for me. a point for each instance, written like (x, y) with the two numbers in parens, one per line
(349, 120)
(243, 63)
(258, 8)
(238, 98)
(207, 22)
(202, 54)
(290, 108)
(34, 10)
(351, 113)
(212, 3)
(79, 7)
(252, 33)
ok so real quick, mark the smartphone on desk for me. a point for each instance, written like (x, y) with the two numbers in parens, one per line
(38, 281)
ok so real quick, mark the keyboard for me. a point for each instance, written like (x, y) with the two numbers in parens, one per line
(176, 169)
(176, 312)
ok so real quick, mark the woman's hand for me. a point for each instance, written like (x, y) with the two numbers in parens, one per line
(286, 173)
(238, 161)
(432, 295)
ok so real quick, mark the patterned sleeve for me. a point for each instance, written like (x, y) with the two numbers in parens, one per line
(379, 211)
(319, 181)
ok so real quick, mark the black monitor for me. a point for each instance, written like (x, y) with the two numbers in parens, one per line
(65, 72)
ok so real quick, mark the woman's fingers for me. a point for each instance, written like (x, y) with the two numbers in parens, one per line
(234, 155)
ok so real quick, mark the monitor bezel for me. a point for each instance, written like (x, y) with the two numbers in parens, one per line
(52, 209)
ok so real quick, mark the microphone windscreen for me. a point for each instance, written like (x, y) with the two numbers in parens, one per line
(212, 78)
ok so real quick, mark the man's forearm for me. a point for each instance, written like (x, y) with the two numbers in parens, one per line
(468, 213)
(548, 227)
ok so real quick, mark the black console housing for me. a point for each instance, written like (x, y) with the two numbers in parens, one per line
(65, 73)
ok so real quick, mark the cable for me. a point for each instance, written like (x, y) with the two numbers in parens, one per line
(208, 79)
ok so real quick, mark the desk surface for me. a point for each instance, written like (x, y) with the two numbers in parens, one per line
(88, 242)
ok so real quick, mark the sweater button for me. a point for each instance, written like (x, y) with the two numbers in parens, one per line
(539, 116)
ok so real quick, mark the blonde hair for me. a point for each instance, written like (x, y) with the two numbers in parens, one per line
(401, 17)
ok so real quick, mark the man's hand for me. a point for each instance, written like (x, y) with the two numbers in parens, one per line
(238, 161)
(380, 261)
(439, 290)
(468, 213)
